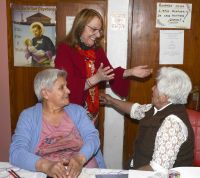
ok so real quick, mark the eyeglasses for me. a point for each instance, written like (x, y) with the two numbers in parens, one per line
(95, 30)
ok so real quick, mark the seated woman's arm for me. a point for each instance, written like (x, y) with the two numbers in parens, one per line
(167, 144)
(21, 148)
(119, 105)
(89, 135)
(135, 110)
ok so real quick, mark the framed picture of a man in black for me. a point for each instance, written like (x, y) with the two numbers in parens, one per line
(34, 35)
(44, 47)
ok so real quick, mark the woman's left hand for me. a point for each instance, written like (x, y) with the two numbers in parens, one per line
(138, 71)
(75, 165)
(105, 99)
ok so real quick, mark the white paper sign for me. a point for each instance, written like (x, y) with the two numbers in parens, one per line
(118, 21)
(173, 15)
(69, 23)
(171, 46)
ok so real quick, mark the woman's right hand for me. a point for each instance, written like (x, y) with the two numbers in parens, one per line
(75, 165)
(52, 168)
(104, 73)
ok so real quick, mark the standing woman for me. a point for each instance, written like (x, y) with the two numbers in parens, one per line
(85, 61)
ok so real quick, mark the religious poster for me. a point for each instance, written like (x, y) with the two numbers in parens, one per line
(173, 15)
(34, 35)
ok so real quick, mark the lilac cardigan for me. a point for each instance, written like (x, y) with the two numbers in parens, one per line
(27, 134)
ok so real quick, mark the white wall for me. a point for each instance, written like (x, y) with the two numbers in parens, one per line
(117, 55)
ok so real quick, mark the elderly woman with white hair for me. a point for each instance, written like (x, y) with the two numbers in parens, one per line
(54, 134)
(165, 136)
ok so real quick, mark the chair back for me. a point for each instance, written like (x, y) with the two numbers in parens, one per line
(194, 117)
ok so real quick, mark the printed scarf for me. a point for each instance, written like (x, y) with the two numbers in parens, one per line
(92, 100)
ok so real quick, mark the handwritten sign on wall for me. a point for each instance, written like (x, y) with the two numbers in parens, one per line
(173, 15)
(118, 21)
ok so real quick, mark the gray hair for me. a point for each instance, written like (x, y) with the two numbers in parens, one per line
(45, 80)
(174, 83)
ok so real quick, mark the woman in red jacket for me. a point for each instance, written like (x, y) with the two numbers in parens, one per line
(82, 56)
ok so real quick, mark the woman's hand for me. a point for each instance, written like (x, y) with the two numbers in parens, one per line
(75, 165)
(117, 104)
(104, 73)
(138, 71)
(52, 168)
(105, 99)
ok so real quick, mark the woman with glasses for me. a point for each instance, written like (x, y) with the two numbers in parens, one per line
(85, 61)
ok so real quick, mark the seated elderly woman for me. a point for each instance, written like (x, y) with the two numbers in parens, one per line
(54, 136)
(165, 136)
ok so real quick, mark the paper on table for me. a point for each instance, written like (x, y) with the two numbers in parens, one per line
(112, 176)
(188, 172)
(139, 174)
(92, 172)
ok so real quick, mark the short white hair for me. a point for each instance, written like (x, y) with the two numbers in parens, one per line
(45, 80)
(174, 83)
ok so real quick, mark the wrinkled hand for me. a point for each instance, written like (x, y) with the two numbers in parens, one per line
(104, 73)
(140, 71)
(56, 169)
(75, 165)
(105, 99)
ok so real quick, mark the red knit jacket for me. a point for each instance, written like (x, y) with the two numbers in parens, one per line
(70, 60)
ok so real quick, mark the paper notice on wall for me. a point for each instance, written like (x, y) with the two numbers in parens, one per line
(69, 23)
(171, 46)
(118, 21)
(173, 15)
